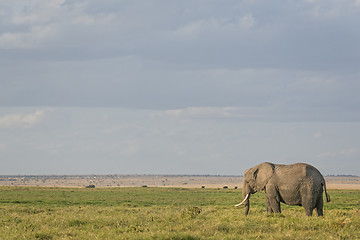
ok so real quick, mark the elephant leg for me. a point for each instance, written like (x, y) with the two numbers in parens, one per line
(275, 205)
(308, 211)
(273, 199)
(307, 199)
(268, 206)
(307, 204)
(319, 206)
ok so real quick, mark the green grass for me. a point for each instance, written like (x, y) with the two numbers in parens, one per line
(166, 213)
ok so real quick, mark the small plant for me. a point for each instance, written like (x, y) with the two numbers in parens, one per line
(76, 223)
(194, 211)
(43, 236)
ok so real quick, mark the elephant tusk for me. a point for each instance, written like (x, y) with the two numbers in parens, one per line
(246, 197)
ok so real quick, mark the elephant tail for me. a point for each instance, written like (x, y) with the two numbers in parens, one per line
(326, 194)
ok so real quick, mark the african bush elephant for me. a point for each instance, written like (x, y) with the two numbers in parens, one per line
(296, 184)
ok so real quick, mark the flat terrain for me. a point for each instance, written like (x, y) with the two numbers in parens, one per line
(166, 213)
(183, 181)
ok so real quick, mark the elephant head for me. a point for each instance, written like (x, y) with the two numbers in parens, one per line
(255, 179)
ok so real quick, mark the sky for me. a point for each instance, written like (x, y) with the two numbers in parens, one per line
(178, 87)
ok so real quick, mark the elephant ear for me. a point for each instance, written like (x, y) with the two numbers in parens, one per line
(263, 174)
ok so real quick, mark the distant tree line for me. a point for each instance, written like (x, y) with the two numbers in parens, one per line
(341, 175)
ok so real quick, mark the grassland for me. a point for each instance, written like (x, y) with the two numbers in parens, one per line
(166, 213)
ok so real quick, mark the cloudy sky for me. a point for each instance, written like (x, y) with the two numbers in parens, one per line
(178, 87)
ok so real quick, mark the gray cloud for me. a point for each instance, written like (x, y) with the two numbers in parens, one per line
(192, 141)
(236, 34)
(248, 33)
(135, 82)
(214, 66)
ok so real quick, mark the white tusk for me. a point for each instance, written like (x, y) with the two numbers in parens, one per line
(246, 197)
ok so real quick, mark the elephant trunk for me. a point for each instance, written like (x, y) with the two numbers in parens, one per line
(247, 207)
(246, 197)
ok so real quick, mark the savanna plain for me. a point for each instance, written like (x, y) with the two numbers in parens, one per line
(37, 212)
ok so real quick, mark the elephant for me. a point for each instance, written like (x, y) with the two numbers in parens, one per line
(295, 184)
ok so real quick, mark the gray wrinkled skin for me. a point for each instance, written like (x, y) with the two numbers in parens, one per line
(296, 184)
